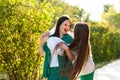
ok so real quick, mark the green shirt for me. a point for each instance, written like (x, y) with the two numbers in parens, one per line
(67, 39)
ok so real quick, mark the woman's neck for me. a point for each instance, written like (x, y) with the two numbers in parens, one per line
(61, 35)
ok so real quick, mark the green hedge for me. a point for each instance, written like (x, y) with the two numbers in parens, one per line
(105, 44)
(21, 23)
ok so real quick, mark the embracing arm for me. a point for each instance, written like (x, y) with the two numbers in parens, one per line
(68, 52)
(43, 38)
(41, 47)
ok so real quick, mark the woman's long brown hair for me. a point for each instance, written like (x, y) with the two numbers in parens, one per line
(81, 47)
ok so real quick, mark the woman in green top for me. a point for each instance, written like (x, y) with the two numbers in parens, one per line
(52, 71)
(83, 64)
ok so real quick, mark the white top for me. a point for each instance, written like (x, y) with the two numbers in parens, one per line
(88, 67)
(51, 43)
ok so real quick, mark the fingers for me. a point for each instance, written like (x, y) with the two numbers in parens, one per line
(61, 45)
(45, 34)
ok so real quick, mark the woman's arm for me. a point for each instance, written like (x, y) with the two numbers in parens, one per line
(41, 46)
(68, 52)
(43, 38)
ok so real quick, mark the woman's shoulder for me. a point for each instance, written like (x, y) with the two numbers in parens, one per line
(53, 39)
(67, 38)
(70, 34)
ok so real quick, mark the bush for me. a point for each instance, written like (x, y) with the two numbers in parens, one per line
(21, 23)
(105, 44)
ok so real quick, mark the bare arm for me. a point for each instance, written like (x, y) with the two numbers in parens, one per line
(68, 52)
(43, 38)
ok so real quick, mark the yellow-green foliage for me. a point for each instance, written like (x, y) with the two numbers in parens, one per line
(105, 43)
(21, 22)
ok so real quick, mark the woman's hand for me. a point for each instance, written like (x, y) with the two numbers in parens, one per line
(43, 38)
(67, 50)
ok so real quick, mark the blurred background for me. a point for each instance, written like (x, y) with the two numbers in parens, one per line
(23, 21)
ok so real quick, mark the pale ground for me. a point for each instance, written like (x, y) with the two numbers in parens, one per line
(108, 72)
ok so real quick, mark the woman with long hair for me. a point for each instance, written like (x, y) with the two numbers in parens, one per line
(53, 62)
(83, 65)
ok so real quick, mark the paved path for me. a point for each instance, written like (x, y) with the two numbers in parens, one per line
(108, 72)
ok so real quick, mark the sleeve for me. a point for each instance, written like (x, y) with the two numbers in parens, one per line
(52, 42)
(46, 61)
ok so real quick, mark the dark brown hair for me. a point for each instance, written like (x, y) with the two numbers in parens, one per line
(59, 22)
(81, 47)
